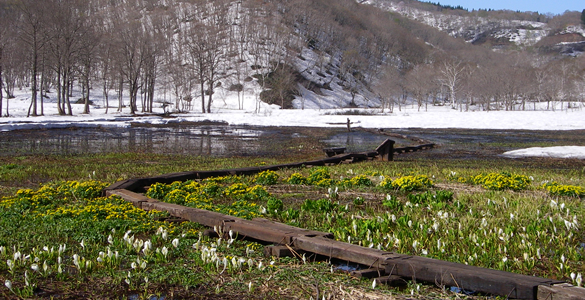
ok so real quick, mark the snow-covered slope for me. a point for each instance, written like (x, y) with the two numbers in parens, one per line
(478, 30)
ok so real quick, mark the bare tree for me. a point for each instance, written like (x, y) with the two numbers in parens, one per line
(451, 74)
(134, 42)
(31, 32)
(389, 88)
(4, 44)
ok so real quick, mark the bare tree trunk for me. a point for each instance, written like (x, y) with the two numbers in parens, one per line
(120, 93)
(1, 98)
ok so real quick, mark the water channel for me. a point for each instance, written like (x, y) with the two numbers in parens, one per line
(226, 141)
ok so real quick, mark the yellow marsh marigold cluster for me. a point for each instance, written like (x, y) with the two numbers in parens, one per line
(102, 209)
(502, 181)
(266, 178)
(554, 188)
(407, 183)
(201, 195)
(53, 194)
(496, 181)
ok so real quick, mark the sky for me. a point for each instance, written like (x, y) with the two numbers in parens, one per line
(541, 6)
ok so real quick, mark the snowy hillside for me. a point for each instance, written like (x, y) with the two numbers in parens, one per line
(477, 29)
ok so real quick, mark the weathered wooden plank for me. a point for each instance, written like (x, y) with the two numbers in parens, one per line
(418, 268)
(281, 251)
(392, 280)
(466, 277)
(334, 151)
(259, 228)
(134, 198)
(368, 273)
(372, 258)
(386, 150)
(288, 228)
(429, 270)
(562, 291)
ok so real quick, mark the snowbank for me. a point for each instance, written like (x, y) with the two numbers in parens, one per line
(559, 152)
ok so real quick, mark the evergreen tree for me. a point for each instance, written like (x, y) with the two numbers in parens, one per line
(583, 16)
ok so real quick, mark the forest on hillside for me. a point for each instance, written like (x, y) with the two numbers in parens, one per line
(191, 48)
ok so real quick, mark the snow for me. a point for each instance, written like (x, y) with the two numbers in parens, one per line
(560, 152)
(318, 112)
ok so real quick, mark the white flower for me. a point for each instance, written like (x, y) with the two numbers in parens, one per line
(8, 284)
(374, 284)
(250, 287)
(175, 243)
(82, 244)
(164, 251)
(147, 247)
(76, 260)
(10, 264)
(110, 239)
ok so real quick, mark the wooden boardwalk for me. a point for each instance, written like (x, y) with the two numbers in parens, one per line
(386, 266)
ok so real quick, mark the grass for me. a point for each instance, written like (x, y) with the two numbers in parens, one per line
(529, 230)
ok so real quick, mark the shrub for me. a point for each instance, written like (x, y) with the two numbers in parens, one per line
(296, 178)
(257, 192)
(318, 175)
(554, 188)
(321, 205)
(407, 183)
(235, 190)
(158, 191)
(360, 180)
(176, 196)
(387, 184)
(274, 205)
(325, 182)
(266, 178)
(502, 181)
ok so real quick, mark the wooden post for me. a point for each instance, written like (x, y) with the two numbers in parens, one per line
(386, 150)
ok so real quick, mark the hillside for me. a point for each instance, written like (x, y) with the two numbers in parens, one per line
(497, 29)
(189, 56)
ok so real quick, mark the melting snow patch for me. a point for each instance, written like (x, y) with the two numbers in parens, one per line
(559, 152)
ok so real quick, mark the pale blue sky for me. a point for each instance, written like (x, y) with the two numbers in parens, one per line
(541, 6)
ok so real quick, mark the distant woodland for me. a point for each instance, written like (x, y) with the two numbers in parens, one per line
(190, 48)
